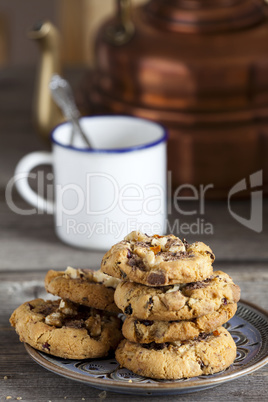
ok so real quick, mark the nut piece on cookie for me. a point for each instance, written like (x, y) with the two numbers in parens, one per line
(158, 260)
(66, 330)
(83, 286)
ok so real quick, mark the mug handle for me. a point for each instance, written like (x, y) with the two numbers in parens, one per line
(23, 168)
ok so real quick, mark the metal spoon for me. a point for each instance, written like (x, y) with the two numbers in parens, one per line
(62, 94)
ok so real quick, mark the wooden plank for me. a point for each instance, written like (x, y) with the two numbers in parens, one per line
(29, 242)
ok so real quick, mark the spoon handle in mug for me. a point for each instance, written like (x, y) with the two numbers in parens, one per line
(62, 94)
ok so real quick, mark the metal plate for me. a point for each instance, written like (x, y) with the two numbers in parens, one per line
(249, 329)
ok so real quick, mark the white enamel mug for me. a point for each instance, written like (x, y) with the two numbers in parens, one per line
(103, 193)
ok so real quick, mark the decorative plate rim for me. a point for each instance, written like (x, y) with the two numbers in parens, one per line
(114, 385)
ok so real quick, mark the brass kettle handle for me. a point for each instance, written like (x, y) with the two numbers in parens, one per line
(122, 30)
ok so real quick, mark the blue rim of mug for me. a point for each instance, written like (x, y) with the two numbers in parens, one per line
(113, 150)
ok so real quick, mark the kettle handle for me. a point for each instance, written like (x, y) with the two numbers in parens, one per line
(123, 29)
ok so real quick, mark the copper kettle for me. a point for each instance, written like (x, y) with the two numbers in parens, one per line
(200, 67)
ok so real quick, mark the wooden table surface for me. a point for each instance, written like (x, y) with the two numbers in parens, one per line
(29, 248)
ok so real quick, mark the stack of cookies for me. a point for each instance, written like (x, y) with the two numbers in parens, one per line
(173, 302)
(175, 306)
(82, 324)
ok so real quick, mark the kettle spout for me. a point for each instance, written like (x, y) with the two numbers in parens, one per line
(46, 113)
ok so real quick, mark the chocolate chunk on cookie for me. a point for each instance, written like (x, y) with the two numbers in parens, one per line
(83, 286)
(158, 260)
(147, 331)
(176, 302)
(65, 329)
(207, 354)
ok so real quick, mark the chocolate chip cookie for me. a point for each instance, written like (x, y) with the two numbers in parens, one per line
(207, 354)
(177, 302)
(67, 330)
(147, 331)
(83, 286)
(158, 260)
